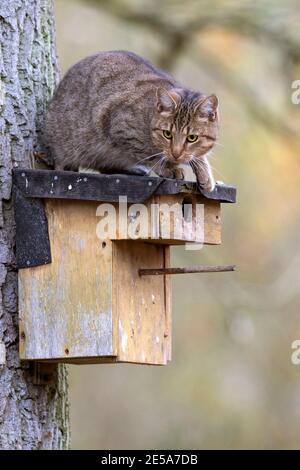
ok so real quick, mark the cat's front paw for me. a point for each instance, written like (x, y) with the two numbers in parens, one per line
(208, 186)
(173, 173)
(179, 173)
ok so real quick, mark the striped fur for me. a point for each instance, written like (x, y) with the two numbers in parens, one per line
(111, 112)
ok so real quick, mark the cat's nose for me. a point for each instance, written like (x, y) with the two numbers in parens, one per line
(176, 152)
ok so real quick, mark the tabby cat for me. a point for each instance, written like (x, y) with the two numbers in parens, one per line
(116, 113)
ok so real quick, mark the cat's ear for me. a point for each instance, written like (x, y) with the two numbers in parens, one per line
(208, 107)
(167, 100)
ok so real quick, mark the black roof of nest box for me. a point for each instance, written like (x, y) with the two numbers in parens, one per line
(108, 188)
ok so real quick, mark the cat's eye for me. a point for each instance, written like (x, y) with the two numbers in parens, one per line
(167, 134)
(192, 138)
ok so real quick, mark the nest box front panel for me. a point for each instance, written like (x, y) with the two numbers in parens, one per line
(89, 304)
(65, 306)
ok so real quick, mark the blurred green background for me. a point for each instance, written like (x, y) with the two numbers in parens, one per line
(231, 383)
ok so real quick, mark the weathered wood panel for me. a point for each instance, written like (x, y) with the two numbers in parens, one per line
(141, 305)
(212, 223)
(66, 306)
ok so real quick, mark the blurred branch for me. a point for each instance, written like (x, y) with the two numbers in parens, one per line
(174, 45)
(246, 25)
(253, 103)
(173, 39)
(248, 18)
(253, 20)
(124, 11)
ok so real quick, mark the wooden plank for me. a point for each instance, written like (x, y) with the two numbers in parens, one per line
(212, 223)
(91, 186)
(140, 303)
(66, 306)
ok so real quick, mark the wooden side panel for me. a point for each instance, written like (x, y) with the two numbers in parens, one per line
(143, 322)
(212, 223)
(66, 306)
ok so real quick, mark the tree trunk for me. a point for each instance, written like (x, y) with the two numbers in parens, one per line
(31, 416)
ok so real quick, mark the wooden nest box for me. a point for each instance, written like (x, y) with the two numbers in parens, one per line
(94, 278)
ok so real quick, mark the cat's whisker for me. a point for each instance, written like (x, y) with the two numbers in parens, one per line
(161, 162)
(217, 171)
(158, 161)
(193, 165)
(162, 166)
(147, 158)
(197, 163)
(200, 164)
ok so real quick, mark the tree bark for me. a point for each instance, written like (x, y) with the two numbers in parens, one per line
(31, 416)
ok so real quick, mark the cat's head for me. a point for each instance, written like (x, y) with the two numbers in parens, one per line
(185, 124)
